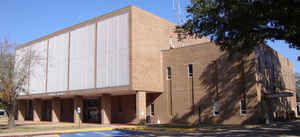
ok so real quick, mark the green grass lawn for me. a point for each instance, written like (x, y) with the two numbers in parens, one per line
(38, 127)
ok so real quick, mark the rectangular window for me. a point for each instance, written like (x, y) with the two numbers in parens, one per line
(216, 108)
(1, 113)
(190, 70)
(134, 108)
(274, 72)
(243, 106)
(199, 113)
(152, 109)
(168, 73)
(259, 64)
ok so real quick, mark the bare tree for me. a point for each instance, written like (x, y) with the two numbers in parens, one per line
(14, 73)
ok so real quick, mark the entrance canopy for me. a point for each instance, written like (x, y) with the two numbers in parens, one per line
(87, 92)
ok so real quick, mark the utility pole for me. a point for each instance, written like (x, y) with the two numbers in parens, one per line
(178, 13)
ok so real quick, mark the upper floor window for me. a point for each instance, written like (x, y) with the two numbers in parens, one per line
(168, 73)
(152, 109)
(243, 106)
(134, 108)
(171, 43)
(190, 70)
(216, 108)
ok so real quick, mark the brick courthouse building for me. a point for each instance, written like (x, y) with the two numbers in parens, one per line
(126, 65)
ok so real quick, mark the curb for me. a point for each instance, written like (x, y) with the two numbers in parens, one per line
(138, 128)
(82, 130)
(92, 130)
(159, 129)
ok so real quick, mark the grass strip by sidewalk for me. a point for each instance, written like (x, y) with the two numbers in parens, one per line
(37, 128)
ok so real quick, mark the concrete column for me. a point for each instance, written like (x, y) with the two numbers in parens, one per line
(106, 109)
(37, 110)
(21, 109)
(140, 106)
(78, 103)
(55, 110)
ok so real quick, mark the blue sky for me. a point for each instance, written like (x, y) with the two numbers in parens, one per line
(25, 20)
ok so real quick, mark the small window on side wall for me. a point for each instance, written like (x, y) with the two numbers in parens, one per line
(243, 105)
(152, 109)
(190, 70)
(169, 73)
(134, 108)
(216, 109)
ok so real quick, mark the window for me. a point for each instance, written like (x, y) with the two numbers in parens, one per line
(274, 71)
(1, 113)
(243, 106)
(216, 108)
(171, 42)
(199, 113)
(190, 70)
(134, 108)
(152, 109)
(298, 109)
(168, 73)
(259, 64)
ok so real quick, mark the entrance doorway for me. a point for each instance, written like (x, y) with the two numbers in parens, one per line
(29, 110)
(46, 110)
(67, 110)
(91, 112)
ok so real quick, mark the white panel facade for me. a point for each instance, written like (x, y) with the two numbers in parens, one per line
(82, 58)
(113, 52)
(58, 63)
(21, 66)
(37, 78)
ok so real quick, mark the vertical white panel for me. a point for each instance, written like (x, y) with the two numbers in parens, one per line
(82, 58)
(113, 52)
(58, 63)
(37, 78)
(21, 66)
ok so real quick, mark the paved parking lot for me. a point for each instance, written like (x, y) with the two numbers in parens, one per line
(289, 129)
(286, 129)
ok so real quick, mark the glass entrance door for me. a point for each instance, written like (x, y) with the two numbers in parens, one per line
(91, 111)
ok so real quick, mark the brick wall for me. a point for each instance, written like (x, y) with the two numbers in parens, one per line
(275, 75)
(216, 78)
(149, 35)
(123, 108)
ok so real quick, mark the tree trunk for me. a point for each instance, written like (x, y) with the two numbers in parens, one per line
(11, 121)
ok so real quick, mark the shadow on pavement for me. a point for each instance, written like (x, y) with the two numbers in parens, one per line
(288, 129)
